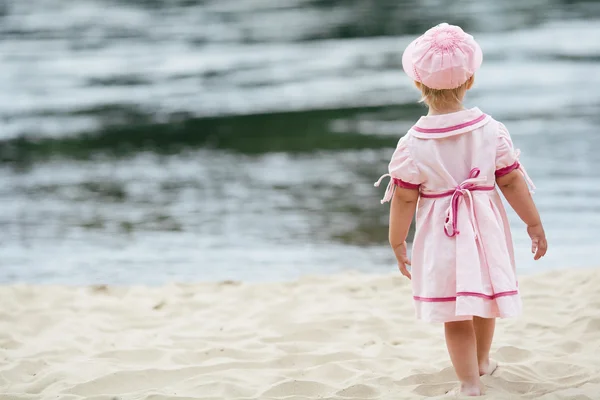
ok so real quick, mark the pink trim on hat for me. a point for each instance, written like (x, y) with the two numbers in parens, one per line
(500, 172)
(417, 74)
(466, 294)
(451, 128)
(404, 184)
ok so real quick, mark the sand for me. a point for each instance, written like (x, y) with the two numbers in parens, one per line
(340, 337)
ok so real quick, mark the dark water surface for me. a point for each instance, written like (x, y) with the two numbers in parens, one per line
(202, 140)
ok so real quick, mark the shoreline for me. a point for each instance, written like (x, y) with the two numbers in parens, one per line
(393, 274)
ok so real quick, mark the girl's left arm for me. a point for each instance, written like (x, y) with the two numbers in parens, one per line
(402, 211)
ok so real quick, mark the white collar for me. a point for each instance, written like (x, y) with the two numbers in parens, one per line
(445, 125)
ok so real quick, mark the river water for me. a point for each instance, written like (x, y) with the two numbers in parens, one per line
(146, 142)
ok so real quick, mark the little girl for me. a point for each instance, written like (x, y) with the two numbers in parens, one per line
(447, 168)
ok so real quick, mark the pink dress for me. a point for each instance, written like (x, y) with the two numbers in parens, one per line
(462, 256)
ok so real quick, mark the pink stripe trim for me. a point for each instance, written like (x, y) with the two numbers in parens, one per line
(434, 299)
(507, 170)
(405, 185)
(466, 294)
(488, 296)
(450, 128)
(451, 192)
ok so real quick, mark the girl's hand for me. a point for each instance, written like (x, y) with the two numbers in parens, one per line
(403, 261)
(539, 245)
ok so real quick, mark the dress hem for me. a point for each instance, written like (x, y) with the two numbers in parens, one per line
(466, 318)
(467, 305)
(466, 294)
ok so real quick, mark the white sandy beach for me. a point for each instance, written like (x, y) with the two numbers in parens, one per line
(339, 337)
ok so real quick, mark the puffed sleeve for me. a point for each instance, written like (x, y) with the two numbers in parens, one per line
(507, 158)
(402, 170)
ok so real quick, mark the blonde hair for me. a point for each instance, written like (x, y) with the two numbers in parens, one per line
(442, 98)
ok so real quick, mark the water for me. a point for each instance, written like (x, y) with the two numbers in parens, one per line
(208, 140)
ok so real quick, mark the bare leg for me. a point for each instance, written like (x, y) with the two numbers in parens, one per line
(462, 346)
(484, 333)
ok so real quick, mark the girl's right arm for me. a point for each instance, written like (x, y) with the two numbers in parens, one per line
(515, 189)
(402, 211)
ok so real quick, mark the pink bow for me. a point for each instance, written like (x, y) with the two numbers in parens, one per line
(464, 189)
(389, 191)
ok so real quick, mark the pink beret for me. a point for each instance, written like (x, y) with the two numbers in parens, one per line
(444, 57)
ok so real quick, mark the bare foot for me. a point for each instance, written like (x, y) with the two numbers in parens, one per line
(465, 391)
(488, 368)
